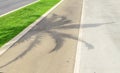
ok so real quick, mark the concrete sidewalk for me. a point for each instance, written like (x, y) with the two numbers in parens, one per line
(101, 29)
(50, 47)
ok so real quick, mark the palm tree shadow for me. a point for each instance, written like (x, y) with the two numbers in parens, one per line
(47, 25)
(42, 27)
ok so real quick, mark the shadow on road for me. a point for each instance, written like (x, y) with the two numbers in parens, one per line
(49, 26)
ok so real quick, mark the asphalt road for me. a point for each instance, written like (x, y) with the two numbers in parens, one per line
(9, 5)
(101, 29)
(50, 47)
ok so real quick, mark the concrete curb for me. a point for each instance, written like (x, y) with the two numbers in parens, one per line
(18, 9)
(5, 47)
(78, 51)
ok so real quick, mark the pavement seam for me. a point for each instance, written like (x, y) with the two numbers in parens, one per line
(78, 51)
(5, 47)
(18, 8)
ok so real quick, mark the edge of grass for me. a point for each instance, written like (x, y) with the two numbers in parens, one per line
(13, 23)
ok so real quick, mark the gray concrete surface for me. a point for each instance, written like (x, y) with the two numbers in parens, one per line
(101, 29)
(9, 5)
(50, 47)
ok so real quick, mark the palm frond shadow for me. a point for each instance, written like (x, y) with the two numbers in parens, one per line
(47, 25)
(42, 27)
(23, 53)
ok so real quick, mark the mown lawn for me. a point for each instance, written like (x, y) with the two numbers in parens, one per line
(13, 23)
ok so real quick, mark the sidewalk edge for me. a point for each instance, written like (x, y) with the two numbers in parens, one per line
(78, 51)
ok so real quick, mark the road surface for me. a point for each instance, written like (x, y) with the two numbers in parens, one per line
(101, 29)
(50, 47)
(9, 5)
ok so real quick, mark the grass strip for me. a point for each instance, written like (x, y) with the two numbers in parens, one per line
(13, 23)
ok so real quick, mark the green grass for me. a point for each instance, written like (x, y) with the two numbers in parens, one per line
(13, 23)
